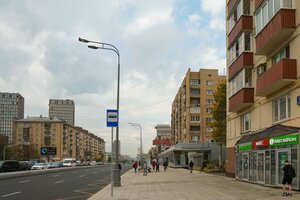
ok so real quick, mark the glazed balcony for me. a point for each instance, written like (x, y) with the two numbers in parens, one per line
(276, 31)
(277, 77)
(231, 4)
(245, 23)
(257, 4)
(241, 100)
(244, 60)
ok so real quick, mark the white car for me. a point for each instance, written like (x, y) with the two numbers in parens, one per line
(40, 166)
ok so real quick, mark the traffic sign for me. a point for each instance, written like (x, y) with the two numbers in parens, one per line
(112, 118)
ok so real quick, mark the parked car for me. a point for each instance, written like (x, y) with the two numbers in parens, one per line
(34, 161)
(9, 165)
(24, 166)
(56, 165)
(40, 166)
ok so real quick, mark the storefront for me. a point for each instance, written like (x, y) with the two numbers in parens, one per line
(261, 156)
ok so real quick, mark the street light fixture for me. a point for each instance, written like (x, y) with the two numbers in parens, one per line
(141, 143)
(107, 46)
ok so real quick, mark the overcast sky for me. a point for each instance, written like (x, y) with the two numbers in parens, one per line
(158, 40)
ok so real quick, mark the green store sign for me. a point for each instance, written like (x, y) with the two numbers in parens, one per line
(285, 140)
(245, 147)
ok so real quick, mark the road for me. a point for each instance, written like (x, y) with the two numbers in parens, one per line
(74, 184)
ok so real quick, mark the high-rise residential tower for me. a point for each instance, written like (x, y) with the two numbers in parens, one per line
(191, 108)
(263, 119)
(11, 109)
(62, 109)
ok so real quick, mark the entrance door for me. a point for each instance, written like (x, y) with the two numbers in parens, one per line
(245, 166)
(282, 155)
(261, 167)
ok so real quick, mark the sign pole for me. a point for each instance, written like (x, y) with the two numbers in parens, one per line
(111, 162)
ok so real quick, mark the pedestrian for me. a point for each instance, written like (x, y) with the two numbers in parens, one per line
(157, 166)
(288, 175)
(135, 164)
(165, 165)
(191, 165)
(153, 164)
(204, 164)
(145, 168)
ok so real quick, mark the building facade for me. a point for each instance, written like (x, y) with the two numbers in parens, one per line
(191, 108)
(33, 133)
(163, 139)
(11, 108)
(263, 119)
(62, 109)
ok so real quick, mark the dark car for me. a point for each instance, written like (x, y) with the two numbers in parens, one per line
(9, 165)
(24, 166)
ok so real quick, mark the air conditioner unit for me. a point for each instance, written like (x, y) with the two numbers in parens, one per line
(261, 69)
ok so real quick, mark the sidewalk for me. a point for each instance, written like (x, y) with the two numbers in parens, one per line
(179, 184)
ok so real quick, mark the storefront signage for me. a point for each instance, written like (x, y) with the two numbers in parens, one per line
(285, 140)
(260, 143)
(245, 147)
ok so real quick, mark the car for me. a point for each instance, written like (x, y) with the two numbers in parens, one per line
(34, 161)
(56, 165)
(93, 163)
(40, 166)
(24, 166)
(49, 164)
(9, 165)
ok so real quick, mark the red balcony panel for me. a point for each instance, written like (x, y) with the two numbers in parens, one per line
(244, 60)
(276, 31)
(241, 99)
(257, 4)
(277, 77)
(231, 4)
(243, 24)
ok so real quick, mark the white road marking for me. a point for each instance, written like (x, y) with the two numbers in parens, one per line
(95, 172)
(56, 175)
(81, 176)
(7, 195)
(60, 181)
(26, 181)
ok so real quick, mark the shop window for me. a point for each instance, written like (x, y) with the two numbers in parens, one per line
(245, 121)
(281, 108)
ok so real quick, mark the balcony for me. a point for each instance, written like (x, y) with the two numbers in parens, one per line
(276, 31)
(257, 4)
(245, 23)
(231, 4)
(241, 99)
(244, 60)
(277, 77)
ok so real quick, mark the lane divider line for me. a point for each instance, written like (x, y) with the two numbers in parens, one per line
(25, 181)
(7, 195)
(60, 181)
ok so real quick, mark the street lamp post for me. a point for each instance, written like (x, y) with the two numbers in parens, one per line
(107, 46)
(141, 143)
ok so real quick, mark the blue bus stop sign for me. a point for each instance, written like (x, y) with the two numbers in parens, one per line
(112, 118)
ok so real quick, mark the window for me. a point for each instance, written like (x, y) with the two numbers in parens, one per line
(195, 138)
(209, 92)
(208, 110)
(209, 83)
(195, 128)
(208, 120)
(241, 80)
(209, 101)
(195, 119)
(246, 122)
(242, 44)
(194, 82)
(281, 108)
(243, 8)
(195, 91)
(284, 53)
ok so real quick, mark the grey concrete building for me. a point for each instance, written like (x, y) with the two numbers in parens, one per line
(62, 109)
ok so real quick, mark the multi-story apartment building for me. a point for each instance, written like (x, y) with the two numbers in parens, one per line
(70, 141)
(62, 109)
(263, 119)
(163, 139)
(11, 108)
(191, 108)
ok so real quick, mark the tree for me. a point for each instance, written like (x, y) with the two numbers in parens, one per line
(219, 114)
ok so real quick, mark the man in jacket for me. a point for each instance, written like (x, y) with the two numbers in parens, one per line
(289, 174)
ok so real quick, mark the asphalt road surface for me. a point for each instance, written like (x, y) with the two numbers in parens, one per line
(77, 184)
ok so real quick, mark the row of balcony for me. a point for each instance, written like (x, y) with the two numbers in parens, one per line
(278, 76)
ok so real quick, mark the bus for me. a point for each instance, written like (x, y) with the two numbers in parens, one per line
(69, 162)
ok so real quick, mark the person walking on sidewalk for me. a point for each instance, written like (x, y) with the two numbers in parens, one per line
(145, 168)
(157, 166)
(135, 164)
(191, 165)
(165, 165)
(289, 174)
